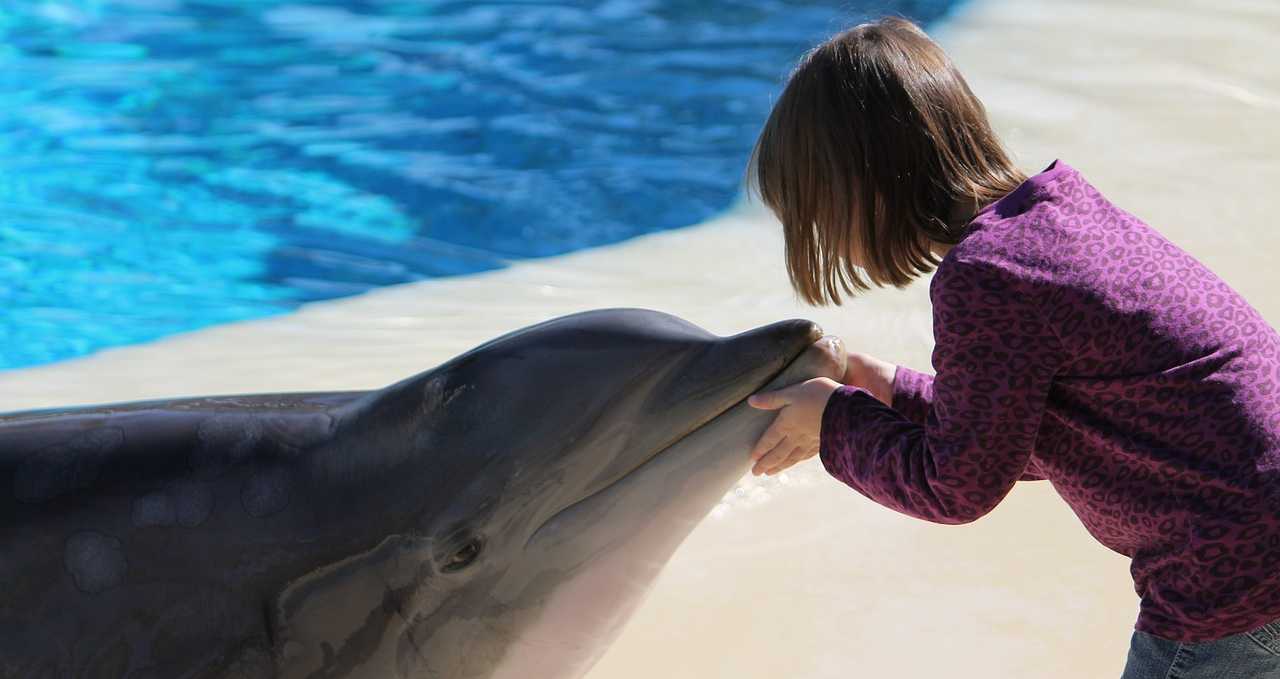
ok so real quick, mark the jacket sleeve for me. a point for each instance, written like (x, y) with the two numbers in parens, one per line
(912, 394)
(995, 357)
(913, 397)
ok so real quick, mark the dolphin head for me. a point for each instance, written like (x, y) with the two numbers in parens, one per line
(545, 477)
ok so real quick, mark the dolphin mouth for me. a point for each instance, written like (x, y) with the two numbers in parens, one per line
(658, 451)
(815, 336)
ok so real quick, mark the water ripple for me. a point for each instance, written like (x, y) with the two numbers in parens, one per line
(170, 164)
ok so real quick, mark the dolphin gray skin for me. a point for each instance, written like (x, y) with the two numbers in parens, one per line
(498, 516)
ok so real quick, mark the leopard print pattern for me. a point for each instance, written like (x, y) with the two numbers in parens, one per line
(1075, 343)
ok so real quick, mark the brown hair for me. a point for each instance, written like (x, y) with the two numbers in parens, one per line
(874, 147)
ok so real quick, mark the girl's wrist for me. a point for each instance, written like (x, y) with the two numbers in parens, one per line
(872, 374)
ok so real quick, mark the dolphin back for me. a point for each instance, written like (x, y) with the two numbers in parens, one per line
(158, 525)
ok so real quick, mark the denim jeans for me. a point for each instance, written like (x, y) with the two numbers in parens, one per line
(1248, 655)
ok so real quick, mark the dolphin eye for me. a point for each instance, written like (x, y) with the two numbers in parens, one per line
(464, 556)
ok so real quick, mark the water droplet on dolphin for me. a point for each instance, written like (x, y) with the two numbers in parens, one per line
(224, 441)
(193, 502)
(153, 509)
(297, 432)
(185, 503)
(266, 492)
(95, 561)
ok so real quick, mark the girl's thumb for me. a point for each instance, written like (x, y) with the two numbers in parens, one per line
(769, 400)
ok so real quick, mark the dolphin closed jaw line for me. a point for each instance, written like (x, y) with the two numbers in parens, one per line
(742, 391)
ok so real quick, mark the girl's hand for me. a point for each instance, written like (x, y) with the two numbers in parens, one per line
(794, 434)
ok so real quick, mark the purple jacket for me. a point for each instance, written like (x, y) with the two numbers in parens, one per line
(1075, 343)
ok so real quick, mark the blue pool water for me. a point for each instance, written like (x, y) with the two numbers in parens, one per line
(172, 164)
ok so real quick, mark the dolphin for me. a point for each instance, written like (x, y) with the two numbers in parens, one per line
(498, 516)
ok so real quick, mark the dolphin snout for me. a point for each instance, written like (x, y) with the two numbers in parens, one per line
(792, 335)
(826, 357)
(763, 352)
(732, 368)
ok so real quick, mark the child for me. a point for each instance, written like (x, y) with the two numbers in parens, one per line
(1074, 343)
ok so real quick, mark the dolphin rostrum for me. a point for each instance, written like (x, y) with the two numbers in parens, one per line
(499, 516)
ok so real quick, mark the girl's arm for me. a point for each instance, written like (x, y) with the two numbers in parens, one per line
(907, 391)
(897, 386)
(995, 358)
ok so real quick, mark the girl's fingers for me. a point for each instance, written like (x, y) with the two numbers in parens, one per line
(801, 454)
(773, 400)
(771, 457)
(796, 454)
(806, 451)
(768, 440)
